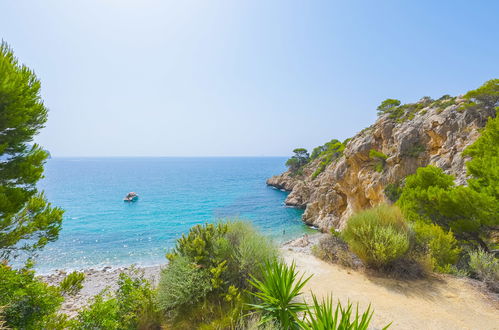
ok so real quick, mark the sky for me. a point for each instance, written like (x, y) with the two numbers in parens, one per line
(239, 78)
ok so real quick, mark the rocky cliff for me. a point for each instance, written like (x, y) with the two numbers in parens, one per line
(424, 133)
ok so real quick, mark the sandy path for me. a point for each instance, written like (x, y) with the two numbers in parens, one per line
(442, 303)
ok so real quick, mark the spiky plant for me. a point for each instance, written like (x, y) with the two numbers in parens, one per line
(321, 316)
(277, 293)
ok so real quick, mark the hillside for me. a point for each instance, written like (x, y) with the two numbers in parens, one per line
(362, 171)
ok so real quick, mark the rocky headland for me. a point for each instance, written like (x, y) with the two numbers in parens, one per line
(424, 133)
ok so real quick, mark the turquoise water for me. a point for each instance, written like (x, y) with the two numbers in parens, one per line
(99, 229)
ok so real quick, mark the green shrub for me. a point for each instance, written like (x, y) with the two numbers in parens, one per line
(380, 159)
(323, 316)
(378, 236)
(26, 300)
(208, 271)
(484, 165)
(486, 95)
(441, 246)
(485, 266)
(327, 153)
(432, 196)
(182, 283)
(132, 306)
(73, 283)
(277, 292)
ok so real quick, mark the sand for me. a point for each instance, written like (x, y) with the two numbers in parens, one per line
(440, 302)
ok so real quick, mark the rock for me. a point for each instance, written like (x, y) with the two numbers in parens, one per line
(351, 183)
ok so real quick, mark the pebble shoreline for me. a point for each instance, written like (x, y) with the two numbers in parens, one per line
(96, 280)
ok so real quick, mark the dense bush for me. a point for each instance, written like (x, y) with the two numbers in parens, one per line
(378, 236)
(327, 153)
(440, 246)
(182, 283)
(484, 165)
(209, 271)
(26, 300)
(132, 306)
(485, 266)
(432, 196)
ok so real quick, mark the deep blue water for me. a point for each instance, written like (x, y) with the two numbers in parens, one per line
(99, 229)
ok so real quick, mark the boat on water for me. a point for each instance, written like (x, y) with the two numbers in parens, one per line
(131, 197)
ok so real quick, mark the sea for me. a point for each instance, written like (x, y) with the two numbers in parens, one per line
(100, 229)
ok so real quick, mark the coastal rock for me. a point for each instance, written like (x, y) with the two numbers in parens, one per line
(434, 136)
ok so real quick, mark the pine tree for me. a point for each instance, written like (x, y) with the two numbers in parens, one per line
(27, 220)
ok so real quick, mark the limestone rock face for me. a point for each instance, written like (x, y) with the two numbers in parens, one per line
(351, 183)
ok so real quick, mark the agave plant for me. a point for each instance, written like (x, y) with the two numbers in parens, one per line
(277, 293)
(322, 317)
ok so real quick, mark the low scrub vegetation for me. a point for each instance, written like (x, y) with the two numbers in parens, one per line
(379, 236)
(485, 267)
(207, 277)
(379, 159)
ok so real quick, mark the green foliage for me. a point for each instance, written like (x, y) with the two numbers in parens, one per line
(277, 292)
(431, 195)
(379, 158)
(132, 306)
(208, 271)
(322, 315)
(440, 246)
(388, 106)
(26, 300)
(327, 153)
(378, 236)
(27, 221)
(200, 243)
(182, 283)
(485, 266)
(73, 283)
(484, 165)
(299, 159)
(486, 95)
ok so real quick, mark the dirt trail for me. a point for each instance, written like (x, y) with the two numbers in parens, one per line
(444, 302)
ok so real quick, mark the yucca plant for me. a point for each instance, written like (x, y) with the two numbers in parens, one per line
(277, 293)
(321, 316)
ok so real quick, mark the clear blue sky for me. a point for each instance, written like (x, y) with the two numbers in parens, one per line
(239, 78)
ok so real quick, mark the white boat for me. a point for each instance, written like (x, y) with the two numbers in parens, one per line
(131, 197)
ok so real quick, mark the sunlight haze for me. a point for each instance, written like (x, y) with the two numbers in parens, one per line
(238, 78)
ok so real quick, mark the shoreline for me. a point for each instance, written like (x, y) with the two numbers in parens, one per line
(99, 279)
